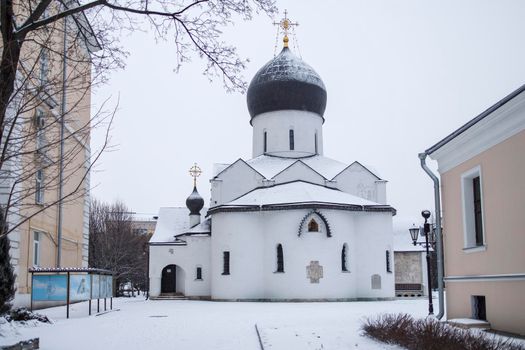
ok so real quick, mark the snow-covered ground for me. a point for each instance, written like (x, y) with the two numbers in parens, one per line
(139, 324)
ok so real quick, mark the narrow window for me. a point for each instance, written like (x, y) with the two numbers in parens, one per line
(36, 248)
(265, 141)
(292, 143)
(315, 140)
(44, 66)
(280, 258)
(225, 263)
(199, 273)
(478, 220)
(313, 226)
(39, 187)
(39, 125)
(387, 256)
(344, 253)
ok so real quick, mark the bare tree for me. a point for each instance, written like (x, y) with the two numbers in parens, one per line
(114, 245)
(53, 52)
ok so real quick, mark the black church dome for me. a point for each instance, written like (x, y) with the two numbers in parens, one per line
(286, 82)
(195, 202)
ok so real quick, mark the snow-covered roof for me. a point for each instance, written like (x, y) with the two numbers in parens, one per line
(298, 192)
(203, 227)
(270, 166)
(170, 222)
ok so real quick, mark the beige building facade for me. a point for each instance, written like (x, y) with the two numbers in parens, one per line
(482, 168)
(30, 183)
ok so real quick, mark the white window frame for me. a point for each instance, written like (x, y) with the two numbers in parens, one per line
(36, 248)
(39, 186)
(467, 206)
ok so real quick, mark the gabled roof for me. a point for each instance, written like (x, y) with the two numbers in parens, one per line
(298, 163)
(240, 160)
(476, 120)
(270, 166)
(364, 167)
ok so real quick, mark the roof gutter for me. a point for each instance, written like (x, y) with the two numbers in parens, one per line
(439, 236)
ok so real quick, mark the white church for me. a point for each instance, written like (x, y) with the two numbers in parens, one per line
(289, 224)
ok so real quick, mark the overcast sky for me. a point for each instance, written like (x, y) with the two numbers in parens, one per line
(400, 76)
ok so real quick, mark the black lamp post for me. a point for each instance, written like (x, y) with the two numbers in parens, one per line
(430, 241)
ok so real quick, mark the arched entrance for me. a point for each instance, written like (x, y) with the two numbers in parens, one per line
(168, 282)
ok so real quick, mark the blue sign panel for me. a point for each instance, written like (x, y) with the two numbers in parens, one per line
(95, 291)
(79, 287)
(109, 287)
(50, 287)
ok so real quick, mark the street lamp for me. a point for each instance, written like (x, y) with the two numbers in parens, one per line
(430, 241)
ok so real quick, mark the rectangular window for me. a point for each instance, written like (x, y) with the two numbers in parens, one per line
(44, 66)
(315, 140)
(39, 125)
(292, 141)
(479, 311)
(472, 198)
(39, 187)
(388, 265)
(478, 221)
(265, 141)
(36, 248)
(199, 273)
(225, 263)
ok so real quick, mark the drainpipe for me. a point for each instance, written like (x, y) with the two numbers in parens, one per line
(61, 159)
(439, 237)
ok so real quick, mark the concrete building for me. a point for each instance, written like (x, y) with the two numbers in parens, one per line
(288, 224)
(32, 178)
(482, 168)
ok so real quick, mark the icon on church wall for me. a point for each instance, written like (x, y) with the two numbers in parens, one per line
(314, 271)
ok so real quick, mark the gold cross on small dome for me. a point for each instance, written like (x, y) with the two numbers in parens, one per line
(195, 172)
(285, 24)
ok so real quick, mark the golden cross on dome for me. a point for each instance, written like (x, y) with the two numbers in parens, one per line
(285, 24)
(195, 172)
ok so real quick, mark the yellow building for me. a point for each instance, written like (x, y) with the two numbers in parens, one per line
(482, 168)
(53, 162)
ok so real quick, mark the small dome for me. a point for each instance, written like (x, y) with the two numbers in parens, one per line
(286, 82)
(195, 202)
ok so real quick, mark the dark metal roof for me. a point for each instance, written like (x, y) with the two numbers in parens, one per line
(285, 83)
(474, 121)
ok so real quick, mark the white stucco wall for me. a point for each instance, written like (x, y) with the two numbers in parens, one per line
(233, 182)
(252, 238)
(277, 125)
(187, 258)
(357, 180)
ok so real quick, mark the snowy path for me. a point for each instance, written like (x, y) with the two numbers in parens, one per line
(203, 325)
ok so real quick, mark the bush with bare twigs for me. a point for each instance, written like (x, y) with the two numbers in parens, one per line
(430, 334)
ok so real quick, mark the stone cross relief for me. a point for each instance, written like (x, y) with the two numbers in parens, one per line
(314, 272)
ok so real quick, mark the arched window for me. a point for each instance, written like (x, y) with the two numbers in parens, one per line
(313, 226)
(265, 141)
(280, 258)
(344, 258)
(315, 140)
(387, 258)
(292, 141)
